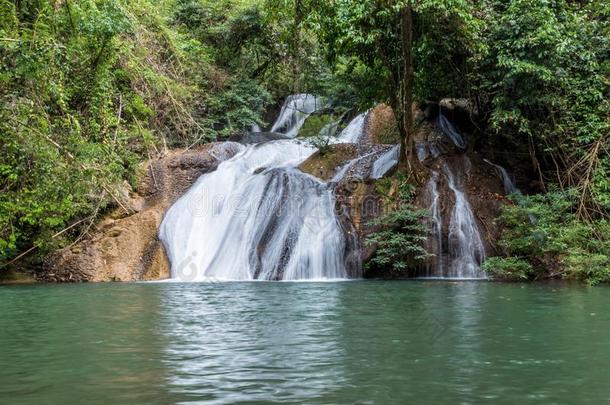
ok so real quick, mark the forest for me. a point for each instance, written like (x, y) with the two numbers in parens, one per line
(90, 89)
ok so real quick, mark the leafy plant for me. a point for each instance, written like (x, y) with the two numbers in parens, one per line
(508, 268)
(545, 232)
(400, 238)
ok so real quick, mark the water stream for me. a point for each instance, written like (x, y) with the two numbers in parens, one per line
(257, 217)
(465, 243)
(456, 244)
(507, 180)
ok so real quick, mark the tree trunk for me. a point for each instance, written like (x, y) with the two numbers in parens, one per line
(296, 46)
(406, 84)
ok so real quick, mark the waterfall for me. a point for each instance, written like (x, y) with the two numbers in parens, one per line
(257, 217)
(509, 185)
(353, 131)
(449, 130)
(295, 111)
(465, 245)
(462, 254)
(435, 241)
(507, 181)
(424, 150)
(385, 162)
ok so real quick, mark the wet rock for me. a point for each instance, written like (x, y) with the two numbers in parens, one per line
(324, 166)
(259, 137)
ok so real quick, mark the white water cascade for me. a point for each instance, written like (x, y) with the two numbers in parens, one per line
(295, 111)
(385, 162)
(257, 217)
(449, 130)
(434, 246)
(460, 255)
(465, 244)
(455, 242)
(353, 131)
(507, 181)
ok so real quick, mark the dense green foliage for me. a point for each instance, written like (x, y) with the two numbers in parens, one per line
(82, 85)
(401, 235)
(544, 238)
(90, 88)
(363, 39)
(544, 80)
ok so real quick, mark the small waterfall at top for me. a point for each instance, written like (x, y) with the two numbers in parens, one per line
(509, 185)
(449, 130)
(294, 112)
(507, 181)
(257, 217)
(353, 131)
(456, 242)
(385, 162)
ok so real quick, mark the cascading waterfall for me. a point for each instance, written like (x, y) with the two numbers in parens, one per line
(449, 130)
(509, 185)
(435, 243)
(507, 181)
(295, 111)
(466, 247)
(459, 251)
(385, 162)
(427, 149)
(462, 254)
(353, 131)
(257, 217)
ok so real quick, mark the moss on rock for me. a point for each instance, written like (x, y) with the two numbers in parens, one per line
(324, 165)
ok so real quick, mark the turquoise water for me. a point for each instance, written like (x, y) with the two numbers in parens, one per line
(362, 341)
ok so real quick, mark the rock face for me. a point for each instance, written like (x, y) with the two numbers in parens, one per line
(358, 200)
(125, 247)
(361, 200)
(324, 166)
(483, 189)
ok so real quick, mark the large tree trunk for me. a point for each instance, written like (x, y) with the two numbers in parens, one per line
(406, 85)
(404, 88)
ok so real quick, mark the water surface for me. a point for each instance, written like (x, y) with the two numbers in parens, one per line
(367, 341)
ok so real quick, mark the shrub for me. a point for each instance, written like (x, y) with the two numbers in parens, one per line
(399, 242)
(509, 268)
(545, 232)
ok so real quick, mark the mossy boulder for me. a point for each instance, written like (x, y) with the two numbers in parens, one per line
(324, 165)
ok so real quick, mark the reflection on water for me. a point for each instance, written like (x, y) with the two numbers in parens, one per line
(245, 341)
(369, 341)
